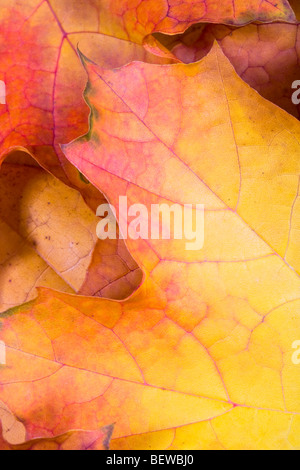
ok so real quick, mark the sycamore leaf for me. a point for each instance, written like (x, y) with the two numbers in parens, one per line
(48, 238)
(201, 355)
(265, 56)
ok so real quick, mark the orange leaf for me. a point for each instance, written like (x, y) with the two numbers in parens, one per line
(265, 56)
(41, 107)
(245, 156)
(137, 19)
(201, 355)
(41, 70)
(40, 67)
(43, 75)
(43, 103)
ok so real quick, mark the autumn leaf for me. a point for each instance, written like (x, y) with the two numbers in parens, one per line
(195, 346)
(43, 107)
(48, 238)
(43, 76)
(42, 73)
(39, 63)
(184, 362)
(265, 56)
(266, 185)
(144, 17)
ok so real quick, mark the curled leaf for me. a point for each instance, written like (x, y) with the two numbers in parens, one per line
(48, 238)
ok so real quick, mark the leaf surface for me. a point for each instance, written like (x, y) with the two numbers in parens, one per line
(42, 73)
(44, 106)
(137, 19)
(186, 359)
(253, 173)
(265, 56)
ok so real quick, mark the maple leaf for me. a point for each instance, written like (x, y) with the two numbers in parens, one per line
(196, 345)
(44, 108)
(265, 56)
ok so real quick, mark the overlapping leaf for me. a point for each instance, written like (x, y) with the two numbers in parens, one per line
(42, 72)
(136, 20)
(265, 56)
(197, 344)
(180, 130)
(43, 76)
(44, 107)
